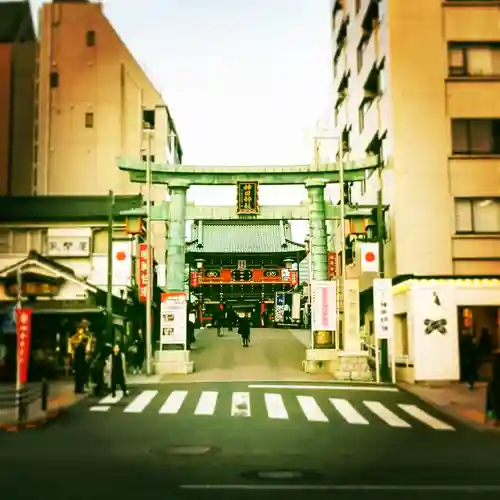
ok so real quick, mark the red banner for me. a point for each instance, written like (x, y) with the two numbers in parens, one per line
(143, 272)
(332, 264)
(194, 279)
(294, 278)
(23, 331)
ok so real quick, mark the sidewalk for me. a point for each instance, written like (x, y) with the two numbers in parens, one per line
(455, 400)
(61, 396)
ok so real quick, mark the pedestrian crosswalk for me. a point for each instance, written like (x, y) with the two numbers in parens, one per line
(275, 406)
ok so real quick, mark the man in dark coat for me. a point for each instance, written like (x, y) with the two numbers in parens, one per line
(244, 330)
(493, 392)
(80, 365)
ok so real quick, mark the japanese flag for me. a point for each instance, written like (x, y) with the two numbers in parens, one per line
(369, 257)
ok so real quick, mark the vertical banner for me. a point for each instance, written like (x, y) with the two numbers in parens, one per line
(294, 278)
(23, 331)
(173, 318)
(383, 309)
(279, 308)
(369, 257)
(323, 312)
(143, 271)
(296, 306)
(332, 264)
(194, 279)
(351, 319)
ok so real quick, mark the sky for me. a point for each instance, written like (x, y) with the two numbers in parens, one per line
(246, 80)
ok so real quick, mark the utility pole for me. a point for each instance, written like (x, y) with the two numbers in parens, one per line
(384, 344)
(149, 285)
(109, 289)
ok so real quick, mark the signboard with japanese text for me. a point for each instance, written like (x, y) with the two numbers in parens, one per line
(143, 272)
(324, 305)
(383, 308)
(68, 246)
(332, 264)
(194, 279)
(23, 331)
(173, 318)
(294, 278)
(351, 319)
(247, 201)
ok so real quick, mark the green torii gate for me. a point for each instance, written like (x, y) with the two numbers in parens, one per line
(314, 177)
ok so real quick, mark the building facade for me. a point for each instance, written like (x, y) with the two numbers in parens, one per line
(93, 100)
(417, 83)
(17, 91)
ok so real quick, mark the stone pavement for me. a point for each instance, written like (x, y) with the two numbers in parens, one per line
(61, 396)
(274, 355)
(456, 400)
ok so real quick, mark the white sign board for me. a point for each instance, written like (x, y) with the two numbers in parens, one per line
(296, 305)
(69, 246)
(173, 318)
(351, 320)
(324, 305)
(383, 308)
(242, 265)
(122, 263)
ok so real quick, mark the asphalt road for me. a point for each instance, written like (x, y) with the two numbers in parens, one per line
(208, 440)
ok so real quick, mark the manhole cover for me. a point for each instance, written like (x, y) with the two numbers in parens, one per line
(189, 450)
(280, 474)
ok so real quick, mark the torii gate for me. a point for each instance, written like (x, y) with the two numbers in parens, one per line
(178, 179)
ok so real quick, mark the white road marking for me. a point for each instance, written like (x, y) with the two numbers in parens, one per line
(325, 387)
(174, 402)
(110, 400)
(101, 408)
(240, 404)
(350, 414)
(424, 417)
(140, 402)
(275, 406)
(206, 403)
(452, 488)
(385, 414)
(311, 409)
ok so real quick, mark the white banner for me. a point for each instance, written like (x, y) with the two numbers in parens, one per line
(296, 306)
(351, 320)
(324, 305)
(383, 309)
(173, 318)
(369, 257)
(122, 263)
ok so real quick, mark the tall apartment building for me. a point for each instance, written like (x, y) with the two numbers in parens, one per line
(17, 77)
(418, 82)
(92, 100)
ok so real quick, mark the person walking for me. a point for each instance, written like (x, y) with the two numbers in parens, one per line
(117, 367)
(244, 330)
(138, 353)
(80, 367)
(493, 392)
(469, 355)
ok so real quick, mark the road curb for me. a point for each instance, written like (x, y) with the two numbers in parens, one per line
(450, 413)
(41, 420)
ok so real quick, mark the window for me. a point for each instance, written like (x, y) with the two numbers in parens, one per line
(90, 38)
(474, 60)
(89, 120)
(151, 158)
(54, 80)
(148, 118)
(475, 136)
(477, 215)
(20, 241)
(357, 6)
(4, 241)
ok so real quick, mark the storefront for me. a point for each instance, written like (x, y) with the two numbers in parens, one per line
(431, 316)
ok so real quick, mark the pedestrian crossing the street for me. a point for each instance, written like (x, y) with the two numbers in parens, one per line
(275, 406)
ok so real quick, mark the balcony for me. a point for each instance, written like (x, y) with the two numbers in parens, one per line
(341, 114)
(368, 10)
(384, 114)
(340, 20)
(369, 126)
(368, 57)
(340, 65)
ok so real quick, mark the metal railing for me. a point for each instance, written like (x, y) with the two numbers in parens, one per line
(12, 399)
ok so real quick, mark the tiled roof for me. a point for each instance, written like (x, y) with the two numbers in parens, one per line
(15, 22)
(63, 208)
(243, 238)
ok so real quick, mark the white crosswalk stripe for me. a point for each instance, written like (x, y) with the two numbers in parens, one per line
(174, 402)
(311, 409)
(277, 406)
